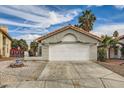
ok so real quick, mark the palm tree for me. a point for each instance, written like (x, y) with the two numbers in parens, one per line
(115, 34)
(87, 20)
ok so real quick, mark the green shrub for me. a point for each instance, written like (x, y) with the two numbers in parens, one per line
(102, 54)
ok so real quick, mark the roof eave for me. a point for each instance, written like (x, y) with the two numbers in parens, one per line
(65, 28)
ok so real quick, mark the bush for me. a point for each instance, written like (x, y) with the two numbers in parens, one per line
(102, 54)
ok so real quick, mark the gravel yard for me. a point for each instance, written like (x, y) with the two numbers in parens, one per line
(30, 71)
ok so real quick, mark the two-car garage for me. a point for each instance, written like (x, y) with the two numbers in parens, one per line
(68, 52)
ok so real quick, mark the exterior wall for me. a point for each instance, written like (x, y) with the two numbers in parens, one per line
(7, 46)
(119, 52)
(79, 37)
(121, 41)
(112, 55)
(69, 38)
(45, 52)
(93, 52)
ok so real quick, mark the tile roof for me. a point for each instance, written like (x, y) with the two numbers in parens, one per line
(66, 28)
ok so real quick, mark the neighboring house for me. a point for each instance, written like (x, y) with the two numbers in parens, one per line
(69, 43)
(115, 53)
(5, 42)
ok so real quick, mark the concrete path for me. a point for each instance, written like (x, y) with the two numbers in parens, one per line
(73, 75)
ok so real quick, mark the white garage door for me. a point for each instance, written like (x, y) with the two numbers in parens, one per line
(68, 52)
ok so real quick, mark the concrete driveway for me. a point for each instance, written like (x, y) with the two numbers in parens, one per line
(73, 75)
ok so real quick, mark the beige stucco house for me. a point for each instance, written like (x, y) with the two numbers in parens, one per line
(69, 43)
(5, 42)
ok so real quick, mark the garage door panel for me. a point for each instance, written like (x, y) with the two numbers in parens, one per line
(68, 52)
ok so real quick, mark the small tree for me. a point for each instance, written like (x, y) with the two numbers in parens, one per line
(33, 48)
(22, 44)
(19, 43)
(102, 54)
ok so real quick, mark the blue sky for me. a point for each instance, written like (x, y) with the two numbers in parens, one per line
(29, 22)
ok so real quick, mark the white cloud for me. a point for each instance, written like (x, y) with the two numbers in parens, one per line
(108, 29)
(41, 15)
(29, 34)
(30, 31)
(119, 6)
(116, 6)
(56, 18)
(9, 22)
(28, 37)
(31, 9)
(38, 19)
(20, 14)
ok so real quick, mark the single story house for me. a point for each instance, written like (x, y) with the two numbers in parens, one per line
(68, 43)
(5, 42)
